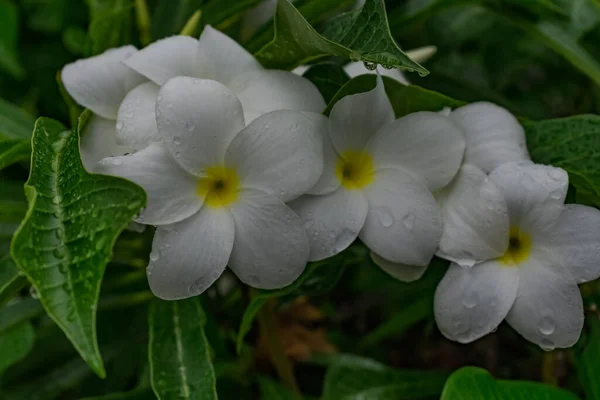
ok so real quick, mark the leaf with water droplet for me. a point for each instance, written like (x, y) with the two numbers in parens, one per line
(55, 196)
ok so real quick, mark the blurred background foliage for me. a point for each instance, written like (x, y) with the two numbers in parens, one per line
(538, 58)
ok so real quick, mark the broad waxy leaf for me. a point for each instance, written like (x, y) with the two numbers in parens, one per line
(180, 364)
(318, 278)
(15, 134)
(361, 35)
(66, 239)
(15, 343)
(477, 383)
(328, 78)
(356, 378)
(588, 360)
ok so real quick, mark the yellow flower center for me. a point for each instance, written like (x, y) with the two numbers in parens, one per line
(355, 169)
(220, 187)
(519, 247)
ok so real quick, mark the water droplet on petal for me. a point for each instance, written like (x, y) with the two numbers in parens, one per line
(471, 299)
(556, 194)
(120, 125)
(384, 216)
(547, 325)
(557, 173)
(343, 240)
(547, 344)
(309, 223)
(176, 140)
(370, 66)
(153, 256)
(409, 221)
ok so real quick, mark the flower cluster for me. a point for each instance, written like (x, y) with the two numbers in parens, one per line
(242, 170)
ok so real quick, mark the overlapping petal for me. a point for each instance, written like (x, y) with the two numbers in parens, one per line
(471, 302)
(172, 194)
(136, 121)
(534, 193)
(271, 247)
(197, 119)
(280, 153)
(99, 141)
(548, 309)
(428, 145)
(187, 257)
(402, 272)
(494, 136)
(101, 82)
(404, 223)
(476, 223)
(263, 91)
(328, 182)
(332, 221)
(166, 59)
(356, 118)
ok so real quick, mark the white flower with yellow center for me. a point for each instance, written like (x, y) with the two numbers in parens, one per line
(378, 177)
(111, 86)
(216, 190)
(100, 83)
(535, 253)
(493, 137)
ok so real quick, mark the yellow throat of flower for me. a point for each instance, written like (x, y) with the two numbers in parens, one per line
(220, 187)
(519, 247)
(355, 169)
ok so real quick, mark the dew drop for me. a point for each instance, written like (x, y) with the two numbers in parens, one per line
(56, 199)
(343, 239)
(556, 194)
(58, 145)
(547, 344)
(176, 140)
(547, 325)
(354, 56)
(309, 223)
(190, 127)
(34, 293)
(409, 221)
(384, 216)
(177, 154)
(63, 268)
(153, 256)
(557, 174)
(370, 66)
(120, 125)
(471, 299)
(59, 253)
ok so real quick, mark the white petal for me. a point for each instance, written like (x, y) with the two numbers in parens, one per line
(356, 118)
(358, 68)
(494, 136)
(271, 247)
(166, 59)
(404, 224)
(421, 54)
(475, 218)
(328, 182)
(471, 302)
(426, 144)
(402, 272)
(332, 221)
(262, 91)
(171, 191)
(548, 310)
(187, 257)
(136, 123)
(280, 153)
(575, 239)
(221, 58)
(534, 193)
(98, 141)
(101, 82)
(197, 119)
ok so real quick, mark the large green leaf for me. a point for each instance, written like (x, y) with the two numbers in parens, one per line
(588, 360)
(15, 343)
(318, 278)
(361, 35)
(15, 133)
(9, 28)
(66, 239)
(111, 24)
(328, 78)
(359, 378)
(477, 383)
(180, 364)
(572, 144)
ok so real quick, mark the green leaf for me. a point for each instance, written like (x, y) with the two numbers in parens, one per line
(66, 239)
(328, 77)
(273, 390)
(318, 278)
(15, 131)
(13, 207)
(356, 378)
(171, 15)
(137, 394)
(18, 312)
(9, 29)
(477, 383)
(570, 143)
(111, 24)
(361, 35)
(405, 99)
(588, 361)
(217, 12)
(180, 364)
(11, 279)
(15, 344)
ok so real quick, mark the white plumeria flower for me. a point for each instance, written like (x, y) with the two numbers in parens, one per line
(536, 252)
(216, 190)
(217, 57)
(100, 83)
(493, 137)
(378, 177)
